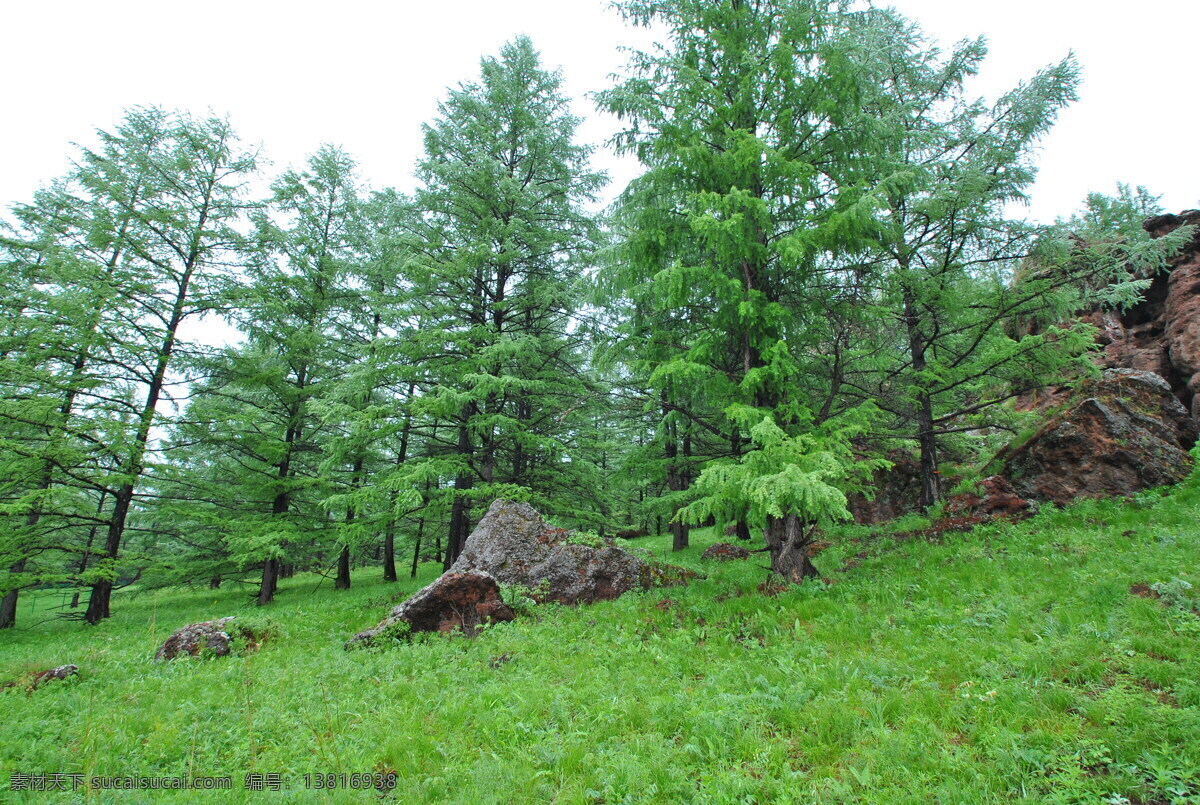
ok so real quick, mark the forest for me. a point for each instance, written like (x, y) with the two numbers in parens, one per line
(819, 263)
(297, 396)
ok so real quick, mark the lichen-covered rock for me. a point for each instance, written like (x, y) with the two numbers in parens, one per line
(724, 552)
(513, 545)
(455, 601)
(33, 681)
(209, 636)
(1129, 432)
(516, 546)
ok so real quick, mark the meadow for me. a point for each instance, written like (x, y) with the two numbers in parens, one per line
(1027, 662)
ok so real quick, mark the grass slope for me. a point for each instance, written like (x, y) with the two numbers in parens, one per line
(1008, 664)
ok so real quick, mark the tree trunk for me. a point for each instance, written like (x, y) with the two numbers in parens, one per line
(787, 540)
(389, 552)
(743, 530)
(98, 603)
(8, 606)
(675, 476)
(926, 439)
(460, 511)
(270, 580)
(416, 562)
(214, 583)
(342, 582)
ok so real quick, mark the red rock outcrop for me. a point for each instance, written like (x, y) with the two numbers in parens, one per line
(1161, 334)
(897, 490)
(995, 499)
(1124, 433)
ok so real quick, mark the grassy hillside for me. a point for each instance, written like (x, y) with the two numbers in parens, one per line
(1009, 664)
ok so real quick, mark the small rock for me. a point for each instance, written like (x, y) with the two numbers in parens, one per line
(724, 552)
(631, 533)
(32, 682)
(194, 638)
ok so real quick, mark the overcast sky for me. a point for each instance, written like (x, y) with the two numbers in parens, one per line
(365, 75)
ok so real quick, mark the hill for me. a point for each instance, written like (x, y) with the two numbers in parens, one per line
(1019, 662)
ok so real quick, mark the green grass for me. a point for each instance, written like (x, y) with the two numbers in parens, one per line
(1010, 664)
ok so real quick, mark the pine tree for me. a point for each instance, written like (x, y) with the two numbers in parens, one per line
(741, 123)
(495, 274)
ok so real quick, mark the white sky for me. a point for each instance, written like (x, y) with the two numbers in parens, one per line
(365, 75)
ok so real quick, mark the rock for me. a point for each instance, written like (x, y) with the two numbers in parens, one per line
(189, 641)
(631, 533)
(1126, 433)
(724, 552)
(515, 545)
(455, 601)
(32, 682)
(54, 674)
(1161, 333)
(731, 530)
(996, 500)
(897, 491)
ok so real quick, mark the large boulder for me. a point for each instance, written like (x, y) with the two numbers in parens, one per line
(455, 601)
(1125, 433)
(513, 544)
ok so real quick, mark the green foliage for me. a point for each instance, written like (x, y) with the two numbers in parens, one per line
(589, 538)
(1174, 593)
(807, 474)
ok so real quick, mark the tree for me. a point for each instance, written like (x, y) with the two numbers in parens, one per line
(132, 243)
(181, 242)
(742, 126)
(945, 256)
(495, 274)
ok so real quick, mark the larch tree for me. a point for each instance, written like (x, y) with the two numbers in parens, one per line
(741, 124)
(495, 271)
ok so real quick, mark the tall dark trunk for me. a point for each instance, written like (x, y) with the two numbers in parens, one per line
(675, 475)
(342, 582)
(416, 562)
(8, 605)
(389, 552)
(98, 603)
(743, 530)
(787, 541)
(99, 600)
(926, 438)
(270, 580)
(460, 510)
(214, 583)
(389, 535)
(87, 551)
